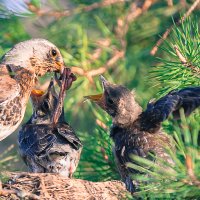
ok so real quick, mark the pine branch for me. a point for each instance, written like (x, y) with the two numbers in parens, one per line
(181, 180)
(195, 70)
(180, 64)
(190, 170)
(168, 31)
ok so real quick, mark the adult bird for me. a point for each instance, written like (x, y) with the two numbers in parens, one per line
(49, 146)
(19, 70)
(139, 132)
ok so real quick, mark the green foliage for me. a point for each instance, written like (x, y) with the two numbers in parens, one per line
(164, 181)
(180, 181)
(7, 159)
(12, 31)
(80, 37)
(97, 159)
(173, 73)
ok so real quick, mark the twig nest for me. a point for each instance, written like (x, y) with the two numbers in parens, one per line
(52, 186)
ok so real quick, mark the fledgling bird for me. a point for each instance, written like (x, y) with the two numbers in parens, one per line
(139, 132)
(19, 70)
(47, 147)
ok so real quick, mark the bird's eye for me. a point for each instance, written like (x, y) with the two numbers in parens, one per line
(110, 101)
(53, 52)
(45, 106)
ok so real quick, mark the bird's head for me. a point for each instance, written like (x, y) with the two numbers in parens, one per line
(118, 102)
(38, 55)
(44, 105)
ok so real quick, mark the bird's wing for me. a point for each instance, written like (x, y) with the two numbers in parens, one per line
(9, 88)
(35, 140)
(157, 112)
(68, 133)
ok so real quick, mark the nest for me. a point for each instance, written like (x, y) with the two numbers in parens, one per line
(51, 186)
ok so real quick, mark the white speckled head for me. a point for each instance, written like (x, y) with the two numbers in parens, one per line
(39, 54)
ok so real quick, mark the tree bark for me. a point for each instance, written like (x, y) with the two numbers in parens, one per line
(54, 187)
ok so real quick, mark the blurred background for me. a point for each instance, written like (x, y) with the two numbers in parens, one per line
(115, 38)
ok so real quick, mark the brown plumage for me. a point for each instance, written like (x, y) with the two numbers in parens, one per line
(19, 70)
(139, 132)
(48, 144)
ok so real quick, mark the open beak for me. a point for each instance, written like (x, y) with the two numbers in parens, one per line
(36, 96)
(37, 93)
(99, 98)
(94, 98)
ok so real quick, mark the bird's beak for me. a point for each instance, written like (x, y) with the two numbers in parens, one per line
(99, 98)
(60, 67)
(95, 98)
(36, 96)
(104, 82)
(37, 93)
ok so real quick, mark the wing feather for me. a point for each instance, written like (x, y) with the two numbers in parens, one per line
(9, 88)
(68, 133)
(157, 112)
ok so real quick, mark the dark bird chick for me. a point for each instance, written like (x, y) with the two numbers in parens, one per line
(139, 132)
(47, 147)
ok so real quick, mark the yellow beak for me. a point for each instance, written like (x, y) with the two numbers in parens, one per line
(60, 67)
(95, 98)
(37, 93)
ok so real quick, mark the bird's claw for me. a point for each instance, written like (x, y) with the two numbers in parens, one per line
(129, 185)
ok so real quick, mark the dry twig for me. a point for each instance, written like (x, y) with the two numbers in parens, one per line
(190, 170)
(94, 72)
(121, 31)
(195, 70)
(66, 13)
(19, 193)
(123, 25)
(170, 2)
(167, 32)
(134, 12)
(101, 124)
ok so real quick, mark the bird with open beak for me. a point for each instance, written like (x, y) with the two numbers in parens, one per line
(137, 132)
(49, 146)
(19, 70)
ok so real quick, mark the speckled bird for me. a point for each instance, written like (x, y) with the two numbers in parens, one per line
(137, 132)
(19, 70)
(47, 147)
